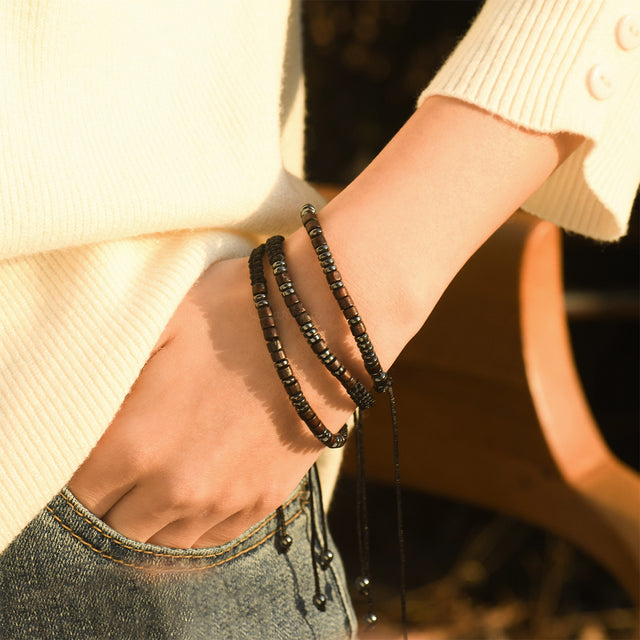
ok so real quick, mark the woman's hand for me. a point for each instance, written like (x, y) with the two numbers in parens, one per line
(206, 443)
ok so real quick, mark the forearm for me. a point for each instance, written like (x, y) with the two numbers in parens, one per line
(407, 224)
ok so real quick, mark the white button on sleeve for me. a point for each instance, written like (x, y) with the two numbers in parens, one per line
(600, 82)
(628, 31)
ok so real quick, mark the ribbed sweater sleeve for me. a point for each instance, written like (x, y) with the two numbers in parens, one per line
(139, 142)
(562, 65)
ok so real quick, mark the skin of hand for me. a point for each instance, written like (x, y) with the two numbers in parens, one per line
(206, 443)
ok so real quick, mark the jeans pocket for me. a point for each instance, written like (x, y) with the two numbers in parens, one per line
(98, 537)
(69, 575)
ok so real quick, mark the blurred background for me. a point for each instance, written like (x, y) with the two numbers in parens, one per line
(472, 573)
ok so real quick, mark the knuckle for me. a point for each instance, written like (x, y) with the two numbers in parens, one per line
(177, 501)
(186, 497)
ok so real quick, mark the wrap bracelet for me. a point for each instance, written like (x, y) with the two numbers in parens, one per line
(381, 379)
(356, 390)
(382, 384)
(279, 358)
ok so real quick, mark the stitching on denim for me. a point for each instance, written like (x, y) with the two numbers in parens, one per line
(175, 570)
(172, 555)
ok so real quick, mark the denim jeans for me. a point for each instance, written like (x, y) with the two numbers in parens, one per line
(69, 576)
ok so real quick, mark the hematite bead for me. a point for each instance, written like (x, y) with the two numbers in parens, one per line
(336, 368)
(293, 388)
(363, 583)
(339, 440)
(325, 559)
(370, 619)
(303, 320)
(320, 600)
(270, 333)
(318, 346)
(284, 542)
(327, 357)
(315, 421)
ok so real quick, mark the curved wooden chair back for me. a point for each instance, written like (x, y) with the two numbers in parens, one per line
(492, 411)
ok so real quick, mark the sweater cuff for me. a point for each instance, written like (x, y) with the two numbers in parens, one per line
(529, 61)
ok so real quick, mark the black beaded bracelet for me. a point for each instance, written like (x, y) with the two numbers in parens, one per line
(356, 390)
(383, 384)
(279, 358)
(381, 379)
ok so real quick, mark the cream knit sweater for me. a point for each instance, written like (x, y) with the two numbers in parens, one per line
(140, 141)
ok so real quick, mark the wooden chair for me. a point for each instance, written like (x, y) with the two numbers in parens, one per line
(492, 411)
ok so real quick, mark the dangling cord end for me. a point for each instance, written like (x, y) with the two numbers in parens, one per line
(326, 557)
(398, 492)
(319, 599)
(284, 540)
(362, 523)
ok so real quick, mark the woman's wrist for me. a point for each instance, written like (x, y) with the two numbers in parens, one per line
(407, 224)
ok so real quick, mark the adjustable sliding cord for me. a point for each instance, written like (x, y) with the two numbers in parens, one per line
(327, 555)
(362, 524)
(381, 383)
(319, 599)
(399, 518)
